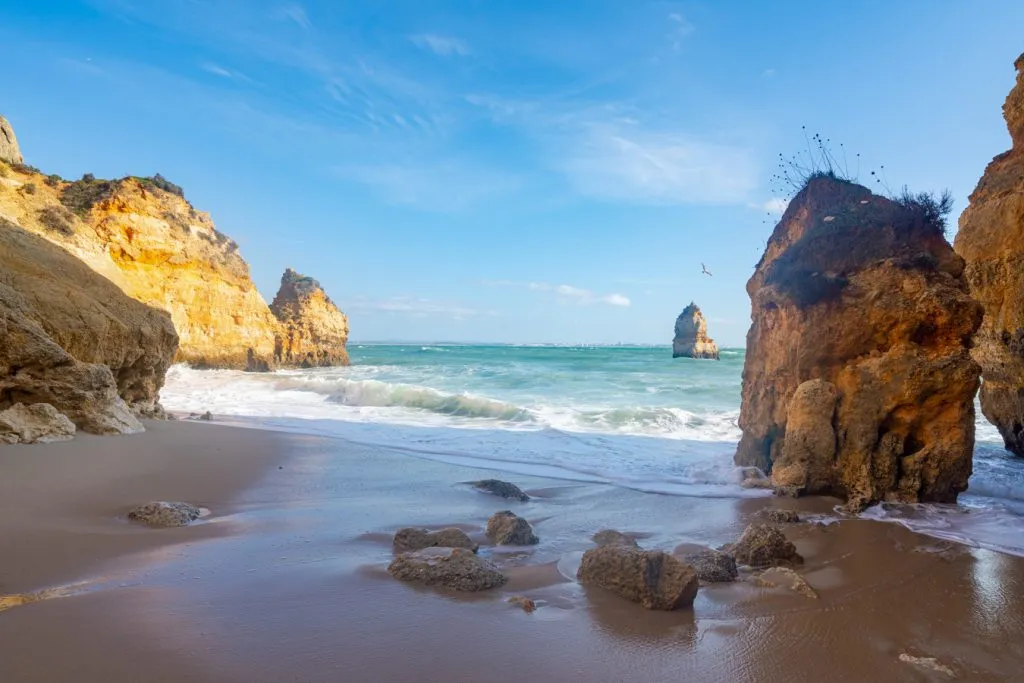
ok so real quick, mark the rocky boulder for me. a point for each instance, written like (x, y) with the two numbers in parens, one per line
(864, 294)
(508, 528)
(456, 569)
(612, 537)
(652, 578)
(410, 539)
(692, 340)
(762, 545)
(779, 516)
(163, 514)
(9, 150)
(36, 423)
(314, 331)
(991, 241)
(712, 566)
(502, 489)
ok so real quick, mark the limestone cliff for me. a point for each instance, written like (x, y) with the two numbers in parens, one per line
(70, 338)
(142, 235)
(313, 330)
(991, 241)
(9, 150)
(692, 340)
(858, 379)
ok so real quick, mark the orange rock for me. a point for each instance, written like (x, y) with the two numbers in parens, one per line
(692, 340)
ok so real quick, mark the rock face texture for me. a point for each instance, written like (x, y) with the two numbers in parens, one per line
(508, 528)
(9, 150)
(502, 489)
(652, 578)
(162, 514)
(411, 538)
(143, 236)
(762, 545)
(37, 423)
(991, 241)
(713, 566)
(456, 569)
(865, 296)
(313, 330)
(692, 340)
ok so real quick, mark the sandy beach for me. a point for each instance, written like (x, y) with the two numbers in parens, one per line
(286, 580)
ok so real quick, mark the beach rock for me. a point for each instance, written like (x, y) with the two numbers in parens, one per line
(410, 539)
(872, 303)
(779, 516)
(501, 488)
(753, 478)
(456, 569)
(508, 528)
(313, 331)
(36, 423)
(712, 566)
(9, 150)
(991, 241)
(524, 603)
(163, 514)
(927, 664)
(763, 546)
(784, 576)
(692, 340)
(91, 321)
(612, 537)
(652, 578)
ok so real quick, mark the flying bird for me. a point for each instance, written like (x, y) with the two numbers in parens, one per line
(704, 270)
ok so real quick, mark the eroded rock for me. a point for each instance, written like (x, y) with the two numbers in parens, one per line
(9, 150)
(654, 579)
(411, 538)
(165, 514)
(508, 528)
(36, 423)
(456, 569)
(612, 537)
(712, 566)
(692, 340)
(501, 488)
(762, 545)
(313, 331)
(784, 576)
(776, 516)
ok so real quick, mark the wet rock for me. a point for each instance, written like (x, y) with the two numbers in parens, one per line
(508, 528)
(523, 602)
(207, 416)
(712, 566)
(36, 423)
(776, 516)
(410, 539)
(784, 576)
(753, 478)
(927, 663)
(164, 514)
(612, 537)
(763, 546)
(654, 579)
(456, 569)
(501, 488)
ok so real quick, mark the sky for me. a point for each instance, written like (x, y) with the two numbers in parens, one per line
(508, 171)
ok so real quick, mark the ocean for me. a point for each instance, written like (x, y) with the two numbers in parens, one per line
(630, 416)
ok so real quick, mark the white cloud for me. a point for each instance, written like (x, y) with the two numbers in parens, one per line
(296, 13)
(415, 307)
(441, 45)
(775, 205)
(218, 70)
(566, 294)
(681, 27)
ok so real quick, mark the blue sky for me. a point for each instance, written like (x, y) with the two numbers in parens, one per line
(526, 171)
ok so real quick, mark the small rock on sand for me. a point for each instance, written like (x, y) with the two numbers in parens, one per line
(508, 528)
(762, 545)
(523, 602)
(652, 578)
(456, 569)
(612, 537)
(409, 539)
(164, 514)
(501, 488)
(35, 423)
(783, 576)
(779, 516)
(712, 566)
(929, 663)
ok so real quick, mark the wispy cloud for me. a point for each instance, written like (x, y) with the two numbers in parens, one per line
(435, 186)
(441, 45)
(416, 308)
(294, 12)
(566, 294)
(775, 205)
(218, 70)
(680, 29)
(768, 73)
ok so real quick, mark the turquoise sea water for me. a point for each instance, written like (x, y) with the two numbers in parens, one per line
(632, 416)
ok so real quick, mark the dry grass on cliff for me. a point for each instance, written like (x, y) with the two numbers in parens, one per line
(81, 195)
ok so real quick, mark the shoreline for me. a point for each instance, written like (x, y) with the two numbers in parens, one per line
(287, 579)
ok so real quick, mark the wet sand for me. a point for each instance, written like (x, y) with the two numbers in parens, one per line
(287, 580)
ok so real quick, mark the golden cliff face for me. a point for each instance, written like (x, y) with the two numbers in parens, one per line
(314, 331)
(157, 248)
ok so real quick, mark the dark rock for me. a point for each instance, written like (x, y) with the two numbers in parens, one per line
(501, 488)
(712, 566)
(763, 546)
(456, 569)
(652, 578)
(779, 516)
(164, 514)
(612, 537)
(411, 538)
(508, 528)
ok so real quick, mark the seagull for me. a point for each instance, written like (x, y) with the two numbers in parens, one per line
(704, 270)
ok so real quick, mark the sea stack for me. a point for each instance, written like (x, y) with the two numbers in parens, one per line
(991, 241)
(9, 150)
(858, 378)
(314, 331)
(692, 340)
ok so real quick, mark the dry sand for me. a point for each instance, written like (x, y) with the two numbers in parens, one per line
(286, 582)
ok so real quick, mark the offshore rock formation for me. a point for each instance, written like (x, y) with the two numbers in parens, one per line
(862, 299)
(692, 340)
(9, 150)
(143, 236)
(313, 330)
(991, 240)
(60, 322)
